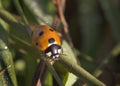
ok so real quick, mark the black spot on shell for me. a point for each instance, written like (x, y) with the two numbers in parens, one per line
(51, 40)
(41, 33)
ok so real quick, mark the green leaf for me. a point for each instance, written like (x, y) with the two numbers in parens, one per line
(70, 79)
(37, 7)
(49, 80)
(8, 77)
(68, 51)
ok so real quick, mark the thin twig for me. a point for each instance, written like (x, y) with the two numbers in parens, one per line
(38, 73)
(62, 18)
(56, 22)
(63, 2)
(60, 6)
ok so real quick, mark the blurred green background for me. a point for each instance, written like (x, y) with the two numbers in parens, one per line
(94, 27)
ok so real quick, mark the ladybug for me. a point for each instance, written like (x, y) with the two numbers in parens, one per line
(47, 40)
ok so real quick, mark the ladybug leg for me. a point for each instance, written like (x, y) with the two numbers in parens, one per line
(52, 61)
(62, 53)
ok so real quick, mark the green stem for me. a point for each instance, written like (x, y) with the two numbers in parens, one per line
(80, 72)
(52, 70)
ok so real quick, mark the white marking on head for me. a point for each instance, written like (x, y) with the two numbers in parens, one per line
(59, 50)
(52, 43)
(49, 54)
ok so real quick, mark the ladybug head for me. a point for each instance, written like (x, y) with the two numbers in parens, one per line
(53, 51)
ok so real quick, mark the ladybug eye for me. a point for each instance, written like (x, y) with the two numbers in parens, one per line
(51, 40)
(51, 30)
(41, 33)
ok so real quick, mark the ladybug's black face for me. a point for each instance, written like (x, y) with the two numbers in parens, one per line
(53, 51)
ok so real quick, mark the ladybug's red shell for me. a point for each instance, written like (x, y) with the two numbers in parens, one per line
(41, 36)
(47, 40)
